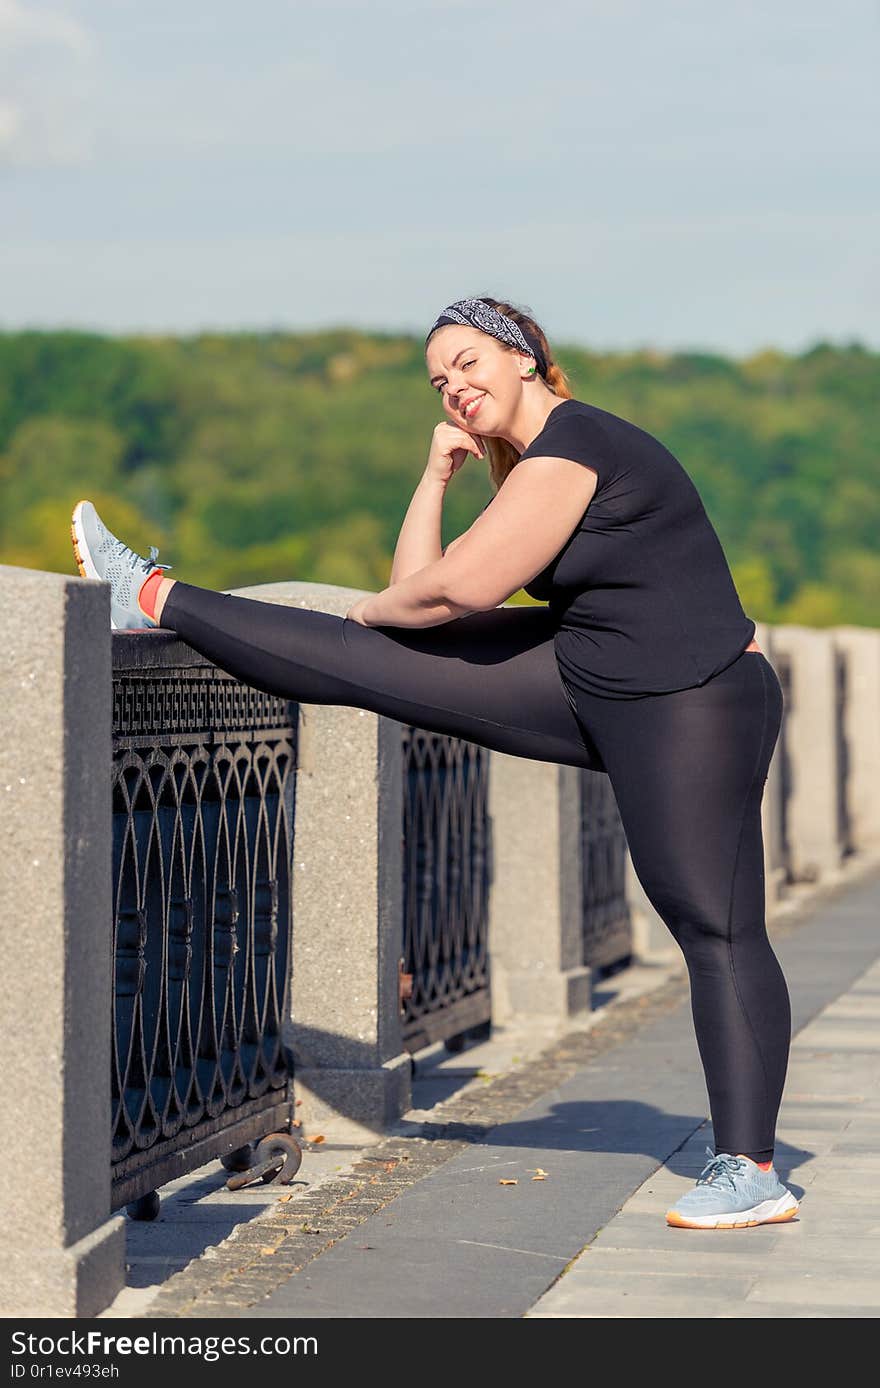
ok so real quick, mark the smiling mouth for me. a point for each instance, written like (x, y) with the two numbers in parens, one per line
(472, 407)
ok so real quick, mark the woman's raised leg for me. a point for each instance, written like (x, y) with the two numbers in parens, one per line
(490, 677)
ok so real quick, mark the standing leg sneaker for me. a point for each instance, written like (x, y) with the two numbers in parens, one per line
(733, 1193)
(100, 555)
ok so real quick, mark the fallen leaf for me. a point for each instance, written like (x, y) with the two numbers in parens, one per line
(297, 1103)
(283, 1199)
(502, 1182)
(318, 1138)
(538, 1170)
(539, 1178)
(296, 1123)
(267, 1252)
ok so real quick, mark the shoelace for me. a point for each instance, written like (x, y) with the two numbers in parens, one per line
(135, 558)
(151, 562)
(720, 1168)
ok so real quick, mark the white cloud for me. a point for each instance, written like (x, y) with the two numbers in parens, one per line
(46, 59)
(10, 124)
(20, 27)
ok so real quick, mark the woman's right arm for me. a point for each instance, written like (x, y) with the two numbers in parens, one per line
(418, 543)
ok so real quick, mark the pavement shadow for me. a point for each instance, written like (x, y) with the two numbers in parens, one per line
(190, 1221)
(616, 1127)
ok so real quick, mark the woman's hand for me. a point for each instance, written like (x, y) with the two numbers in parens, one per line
(449, 449)
(355, 613)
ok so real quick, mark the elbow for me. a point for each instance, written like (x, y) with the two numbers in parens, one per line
(464, 589)
(470, 597)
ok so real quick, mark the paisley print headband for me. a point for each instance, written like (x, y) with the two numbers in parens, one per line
(478, 314)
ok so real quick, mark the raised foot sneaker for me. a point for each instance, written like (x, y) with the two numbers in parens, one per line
(733, 1193)
(100, 555)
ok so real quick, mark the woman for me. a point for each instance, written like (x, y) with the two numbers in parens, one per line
(643, 666)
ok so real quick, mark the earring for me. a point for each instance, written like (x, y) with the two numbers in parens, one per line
(531, 371)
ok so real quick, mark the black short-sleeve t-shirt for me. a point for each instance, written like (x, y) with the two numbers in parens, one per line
(642, 591)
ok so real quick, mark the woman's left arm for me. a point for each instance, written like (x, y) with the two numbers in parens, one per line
(420, 600)
(521, 530)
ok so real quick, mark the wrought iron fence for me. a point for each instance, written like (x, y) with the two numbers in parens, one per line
(203, 805)
(607, 920)
(447, 871)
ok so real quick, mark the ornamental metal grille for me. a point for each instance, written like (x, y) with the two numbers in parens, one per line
(203, 786)
(606, 914)
(446, 878)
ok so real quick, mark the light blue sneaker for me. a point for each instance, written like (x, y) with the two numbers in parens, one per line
(100, 555)
(733, 1193)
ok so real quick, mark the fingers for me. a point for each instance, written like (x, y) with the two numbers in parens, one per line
(455, 443)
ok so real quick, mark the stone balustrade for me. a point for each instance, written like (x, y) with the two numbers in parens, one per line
(344, 1021)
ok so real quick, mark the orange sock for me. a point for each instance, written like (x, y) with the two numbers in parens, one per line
(148, 591)
(764, 1165)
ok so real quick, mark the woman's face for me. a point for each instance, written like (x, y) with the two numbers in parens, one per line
(480, 383)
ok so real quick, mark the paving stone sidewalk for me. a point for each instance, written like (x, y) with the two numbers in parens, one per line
(824, 1263)
(614, 1111)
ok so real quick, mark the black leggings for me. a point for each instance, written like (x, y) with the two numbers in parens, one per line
(687, 769)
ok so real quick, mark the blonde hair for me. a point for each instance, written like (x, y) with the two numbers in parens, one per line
(503, 457)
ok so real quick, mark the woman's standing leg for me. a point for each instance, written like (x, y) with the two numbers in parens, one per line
(490, 678)
(688, 771)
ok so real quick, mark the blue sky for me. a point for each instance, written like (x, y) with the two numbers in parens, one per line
(690, 174)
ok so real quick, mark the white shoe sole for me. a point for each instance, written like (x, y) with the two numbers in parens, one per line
(767, 1212)
(84, 560)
